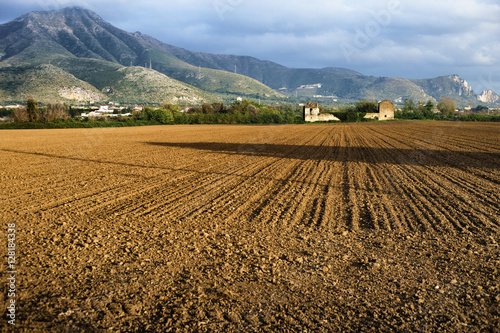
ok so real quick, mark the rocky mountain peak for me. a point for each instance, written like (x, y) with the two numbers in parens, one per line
(488, 96)
(57, 17)
(463, 88)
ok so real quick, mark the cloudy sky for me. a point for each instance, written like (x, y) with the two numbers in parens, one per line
(400, 38)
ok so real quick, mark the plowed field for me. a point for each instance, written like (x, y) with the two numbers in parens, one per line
(357, 227)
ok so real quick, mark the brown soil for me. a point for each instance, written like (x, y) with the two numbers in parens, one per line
(363, 227)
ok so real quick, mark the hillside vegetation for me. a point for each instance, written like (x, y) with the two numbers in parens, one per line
(92, 50)
(45, 83)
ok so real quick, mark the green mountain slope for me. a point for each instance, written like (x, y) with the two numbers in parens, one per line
(74, 35)
(212, 80)
(395, 89)
(340, 82)
(45, 83)
(141, 85)
(91, 80)
(133, 84)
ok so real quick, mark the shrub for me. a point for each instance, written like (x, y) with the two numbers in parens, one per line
(366, 107)
(32, 109)
(164, 116)
(160, 115)
(55, 112)
(20, 115)
(350, 117)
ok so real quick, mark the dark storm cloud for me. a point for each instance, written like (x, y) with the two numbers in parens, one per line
(411, 39)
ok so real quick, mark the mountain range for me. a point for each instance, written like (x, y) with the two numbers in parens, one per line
(73, 54)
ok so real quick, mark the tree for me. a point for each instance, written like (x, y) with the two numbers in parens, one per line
(207, 109)
(20, 115)
(252, 112)
(409, 106)
(160, 115)
(174, 108)
(366, 106)
(218, 107)
(446, 106)
(32, 109)
(419, 112)
(480, 108)
(164, 116)
(429, 106)
(54, 112)
(426, 109)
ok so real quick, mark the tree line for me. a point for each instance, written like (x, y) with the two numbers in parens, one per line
(32, 112)
(446, 108)
(239, 112)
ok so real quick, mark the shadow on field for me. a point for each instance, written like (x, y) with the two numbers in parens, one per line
(145, 166)
(370, 155)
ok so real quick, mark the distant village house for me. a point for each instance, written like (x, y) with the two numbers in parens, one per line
(104, 111)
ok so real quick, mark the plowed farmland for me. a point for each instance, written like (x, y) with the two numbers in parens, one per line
(344, 227)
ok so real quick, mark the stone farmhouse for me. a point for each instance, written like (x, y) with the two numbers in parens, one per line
(385, 111)
(311, 114)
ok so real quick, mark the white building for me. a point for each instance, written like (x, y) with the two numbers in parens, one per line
(104, 109)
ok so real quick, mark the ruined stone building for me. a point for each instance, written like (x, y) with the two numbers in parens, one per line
(385, 111)
(311, 114)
